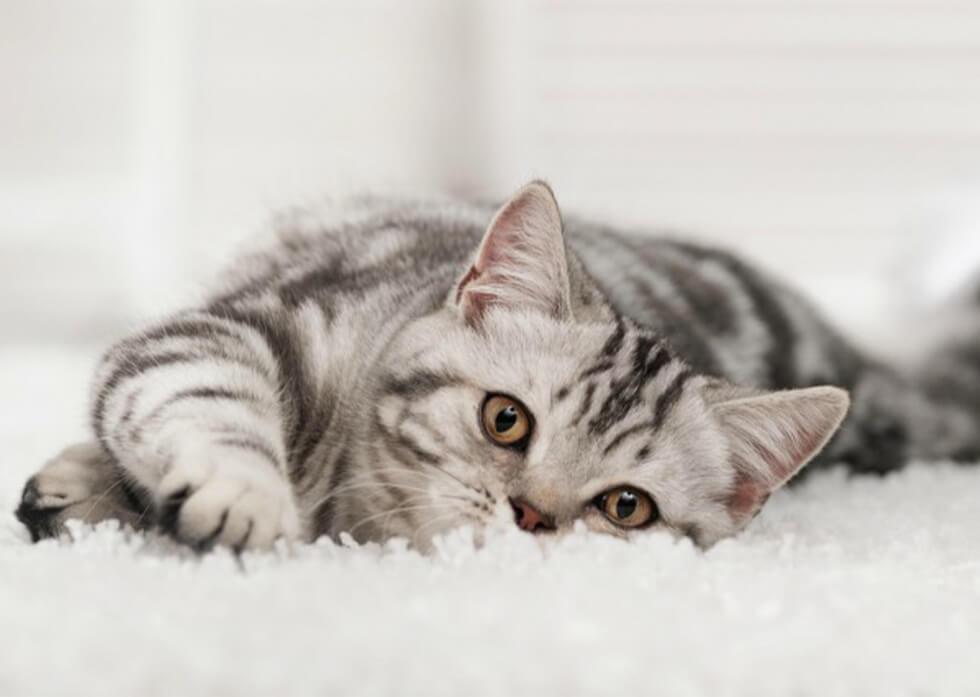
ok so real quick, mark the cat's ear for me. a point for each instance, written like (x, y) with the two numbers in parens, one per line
(521, 261)
(772, 436)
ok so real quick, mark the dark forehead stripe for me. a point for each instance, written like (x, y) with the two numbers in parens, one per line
(599, 367)
(641, 353)
(664, 404)
(603, 361)
(669, 397)
(615, 341)
(625, 394)
(586, 404)
(624, 434)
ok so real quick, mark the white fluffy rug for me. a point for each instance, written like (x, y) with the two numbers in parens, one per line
(857, 587)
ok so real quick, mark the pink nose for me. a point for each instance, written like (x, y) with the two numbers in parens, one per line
(529, 518)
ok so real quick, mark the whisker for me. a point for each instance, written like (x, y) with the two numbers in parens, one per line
(371, 476)
(428, 476)
(142, 515)
(359, 483)
(432, 504)
(384, 486)
(102, 496)
(446, 472)
(439, 520)
(400, 509)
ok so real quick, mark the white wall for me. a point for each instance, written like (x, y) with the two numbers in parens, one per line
(816, 136)
(139, 140)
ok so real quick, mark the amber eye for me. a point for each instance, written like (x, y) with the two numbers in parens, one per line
(628, 508)
(506, 421)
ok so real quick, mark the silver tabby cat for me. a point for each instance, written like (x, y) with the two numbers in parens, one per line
(397, 368)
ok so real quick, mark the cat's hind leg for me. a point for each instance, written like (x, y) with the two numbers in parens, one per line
(895, 420)
(83, 483)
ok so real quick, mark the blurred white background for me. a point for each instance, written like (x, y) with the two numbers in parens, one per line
(835, 141)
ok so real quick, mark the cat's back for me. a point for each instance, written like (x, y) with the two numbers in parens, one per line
(725, 315)
(721, 313)
(371, 235)
(354, 245)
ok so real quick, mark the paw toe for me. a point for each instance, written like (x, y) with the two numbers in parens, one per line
(238, 528)
(265, 522)
(81, 483)
(31, 494)
(235, 512)
(206, 511)
(41, 520)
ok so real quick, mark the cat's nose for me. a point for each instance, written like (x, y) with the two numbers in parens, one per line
(529, 518)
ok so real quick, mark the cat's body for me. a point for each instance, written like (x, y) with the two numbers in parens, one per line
(330, 383)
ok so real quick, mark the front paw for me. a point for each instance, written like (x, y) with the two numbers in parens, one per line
(227, 498)
(81, 483)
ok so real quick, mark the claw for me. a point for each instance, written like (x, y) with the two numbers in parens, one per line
(40, 522)
(170, 510)
(207, 543)
(239, 546)
(31, 494)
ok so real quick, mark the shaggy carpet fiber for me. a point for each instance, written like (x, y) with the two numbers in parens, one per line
(841, 587)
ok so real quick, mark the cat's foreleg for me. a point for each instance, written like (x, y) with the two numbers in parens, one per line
(195, 411)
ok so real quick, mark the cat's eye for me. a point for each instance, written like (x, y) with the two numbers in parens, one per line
(506, 421)
(627, 507)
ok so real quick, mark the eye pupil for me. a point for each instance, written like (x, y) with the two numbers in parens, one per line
(506, 419)
(625, 505)
(628, 508)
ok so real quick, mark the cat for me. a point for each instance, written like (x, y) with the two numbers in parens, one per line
(392, 368)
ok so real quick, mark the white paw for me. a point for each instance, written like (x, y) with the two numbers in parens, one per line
(227, 496)
(73, 475)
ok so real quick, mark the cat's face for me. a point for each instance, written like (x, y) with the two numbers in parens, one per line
(506, 408)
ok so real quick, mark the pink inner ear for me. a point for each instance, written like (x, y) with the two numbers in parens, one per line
(781, 466)
(773, 435)
(521, 260)
(476, 302)
(504, 237)
(753, 487)
(507, 235)
(470, 275)
(748, 497)
(504, 246)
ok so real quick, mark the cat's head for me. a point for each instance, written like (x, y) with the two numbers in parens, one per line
(525, 400)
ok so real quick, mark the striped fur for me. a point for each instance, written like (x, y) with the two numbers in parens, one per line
(334, 381)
